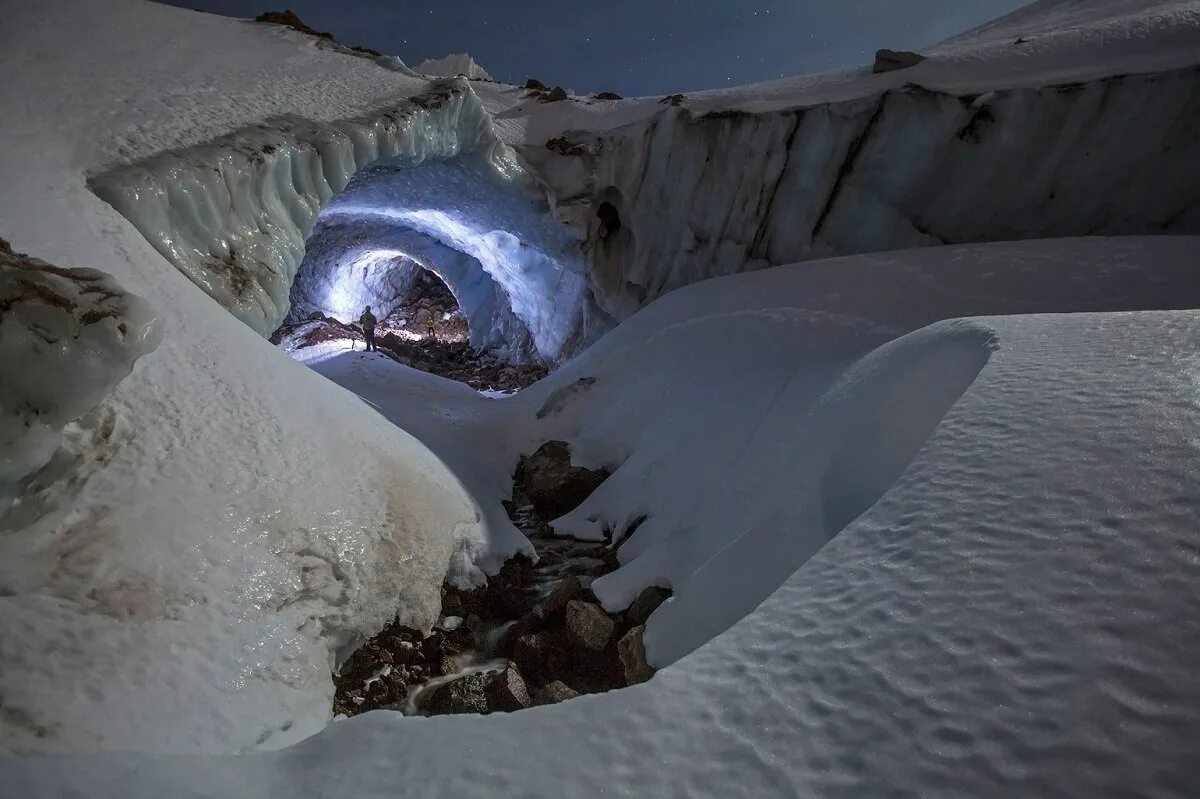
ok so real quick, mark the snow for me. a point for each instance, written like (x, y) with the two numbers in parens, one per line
(67, 337)
(1011, 612)
(182, 578)
(454, 65)
(992, 624)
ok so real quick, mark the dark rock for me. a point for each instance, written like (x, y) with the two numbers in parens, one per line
(632, 651)
(673, 99)
(892, 60)
(536, 85)
(555, 604)
(589, 625)
(555, 95)
(507, 692)
(530, 653)
(452, 603)
(553, 692)
(646, 603)
(563, 146)
(464, 695)
(608, 96)
(551, 483)
(289, 19)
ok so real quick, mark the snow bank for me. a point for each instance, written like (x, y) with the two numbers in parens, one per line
(454, 65)
(67, 337)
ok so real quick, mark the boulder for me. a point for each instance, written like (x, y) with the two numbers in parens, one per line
(892, 60)
(530, 653)
(551, 483)
(555, 95)
(588, 625)
(507, 692)
(555, 604)
(608, 96)
(632, 651)
(536, 85)
(553, 692)
(646, 603)
(467, 694)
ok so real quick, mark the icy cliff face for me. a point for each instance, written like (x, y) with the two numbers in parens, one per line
(701, 195)
(67, 337)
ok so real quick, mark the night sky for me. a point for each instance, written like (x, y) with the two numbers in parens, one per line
(636, 47)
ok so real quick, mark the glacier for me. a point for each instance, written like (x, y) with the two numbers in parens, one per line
(971, 602)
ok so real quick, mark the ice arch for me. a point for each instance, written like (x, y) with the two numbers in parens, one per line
(234, 214)
(517, 275)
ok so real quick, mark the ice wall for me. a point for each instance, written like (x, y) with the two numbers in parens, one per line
(728, 191)
(67, 337)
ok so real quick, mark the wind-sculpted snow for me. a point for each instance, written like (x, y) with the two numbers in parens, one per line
(718, 192)
(67, 337)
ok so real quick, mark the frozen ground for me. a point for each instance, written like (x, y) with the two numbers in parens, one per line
(1013, 615)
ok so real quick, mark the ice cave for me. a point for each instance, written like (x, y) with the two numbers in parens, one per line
(833, 435)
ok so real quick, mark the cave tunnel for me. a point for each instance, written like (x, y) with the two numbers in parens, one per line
(515, 274)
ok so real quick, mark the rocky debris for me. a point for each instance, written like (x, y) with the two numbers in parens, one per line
(554, 692)
(632, 651)
(555, 95)
(551, 484)
(543, 620)
(454, 360)
(563, 146)
(290, 19)
(589, 625)
(533, 84)
(673, 99)
(467, 694)
(892, 60)
(646, 603)
(608, 96)
(507, 692)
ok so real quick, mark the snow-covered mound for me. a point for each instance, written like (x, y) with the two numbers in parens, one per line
(452, 66)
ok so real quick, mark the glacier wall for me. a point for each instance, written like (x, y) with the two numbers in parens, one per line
(728, 191)
(233, 215)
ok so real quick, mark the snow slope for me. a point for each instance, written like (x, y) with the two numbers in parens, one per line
(994, 624)
(185, 583)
